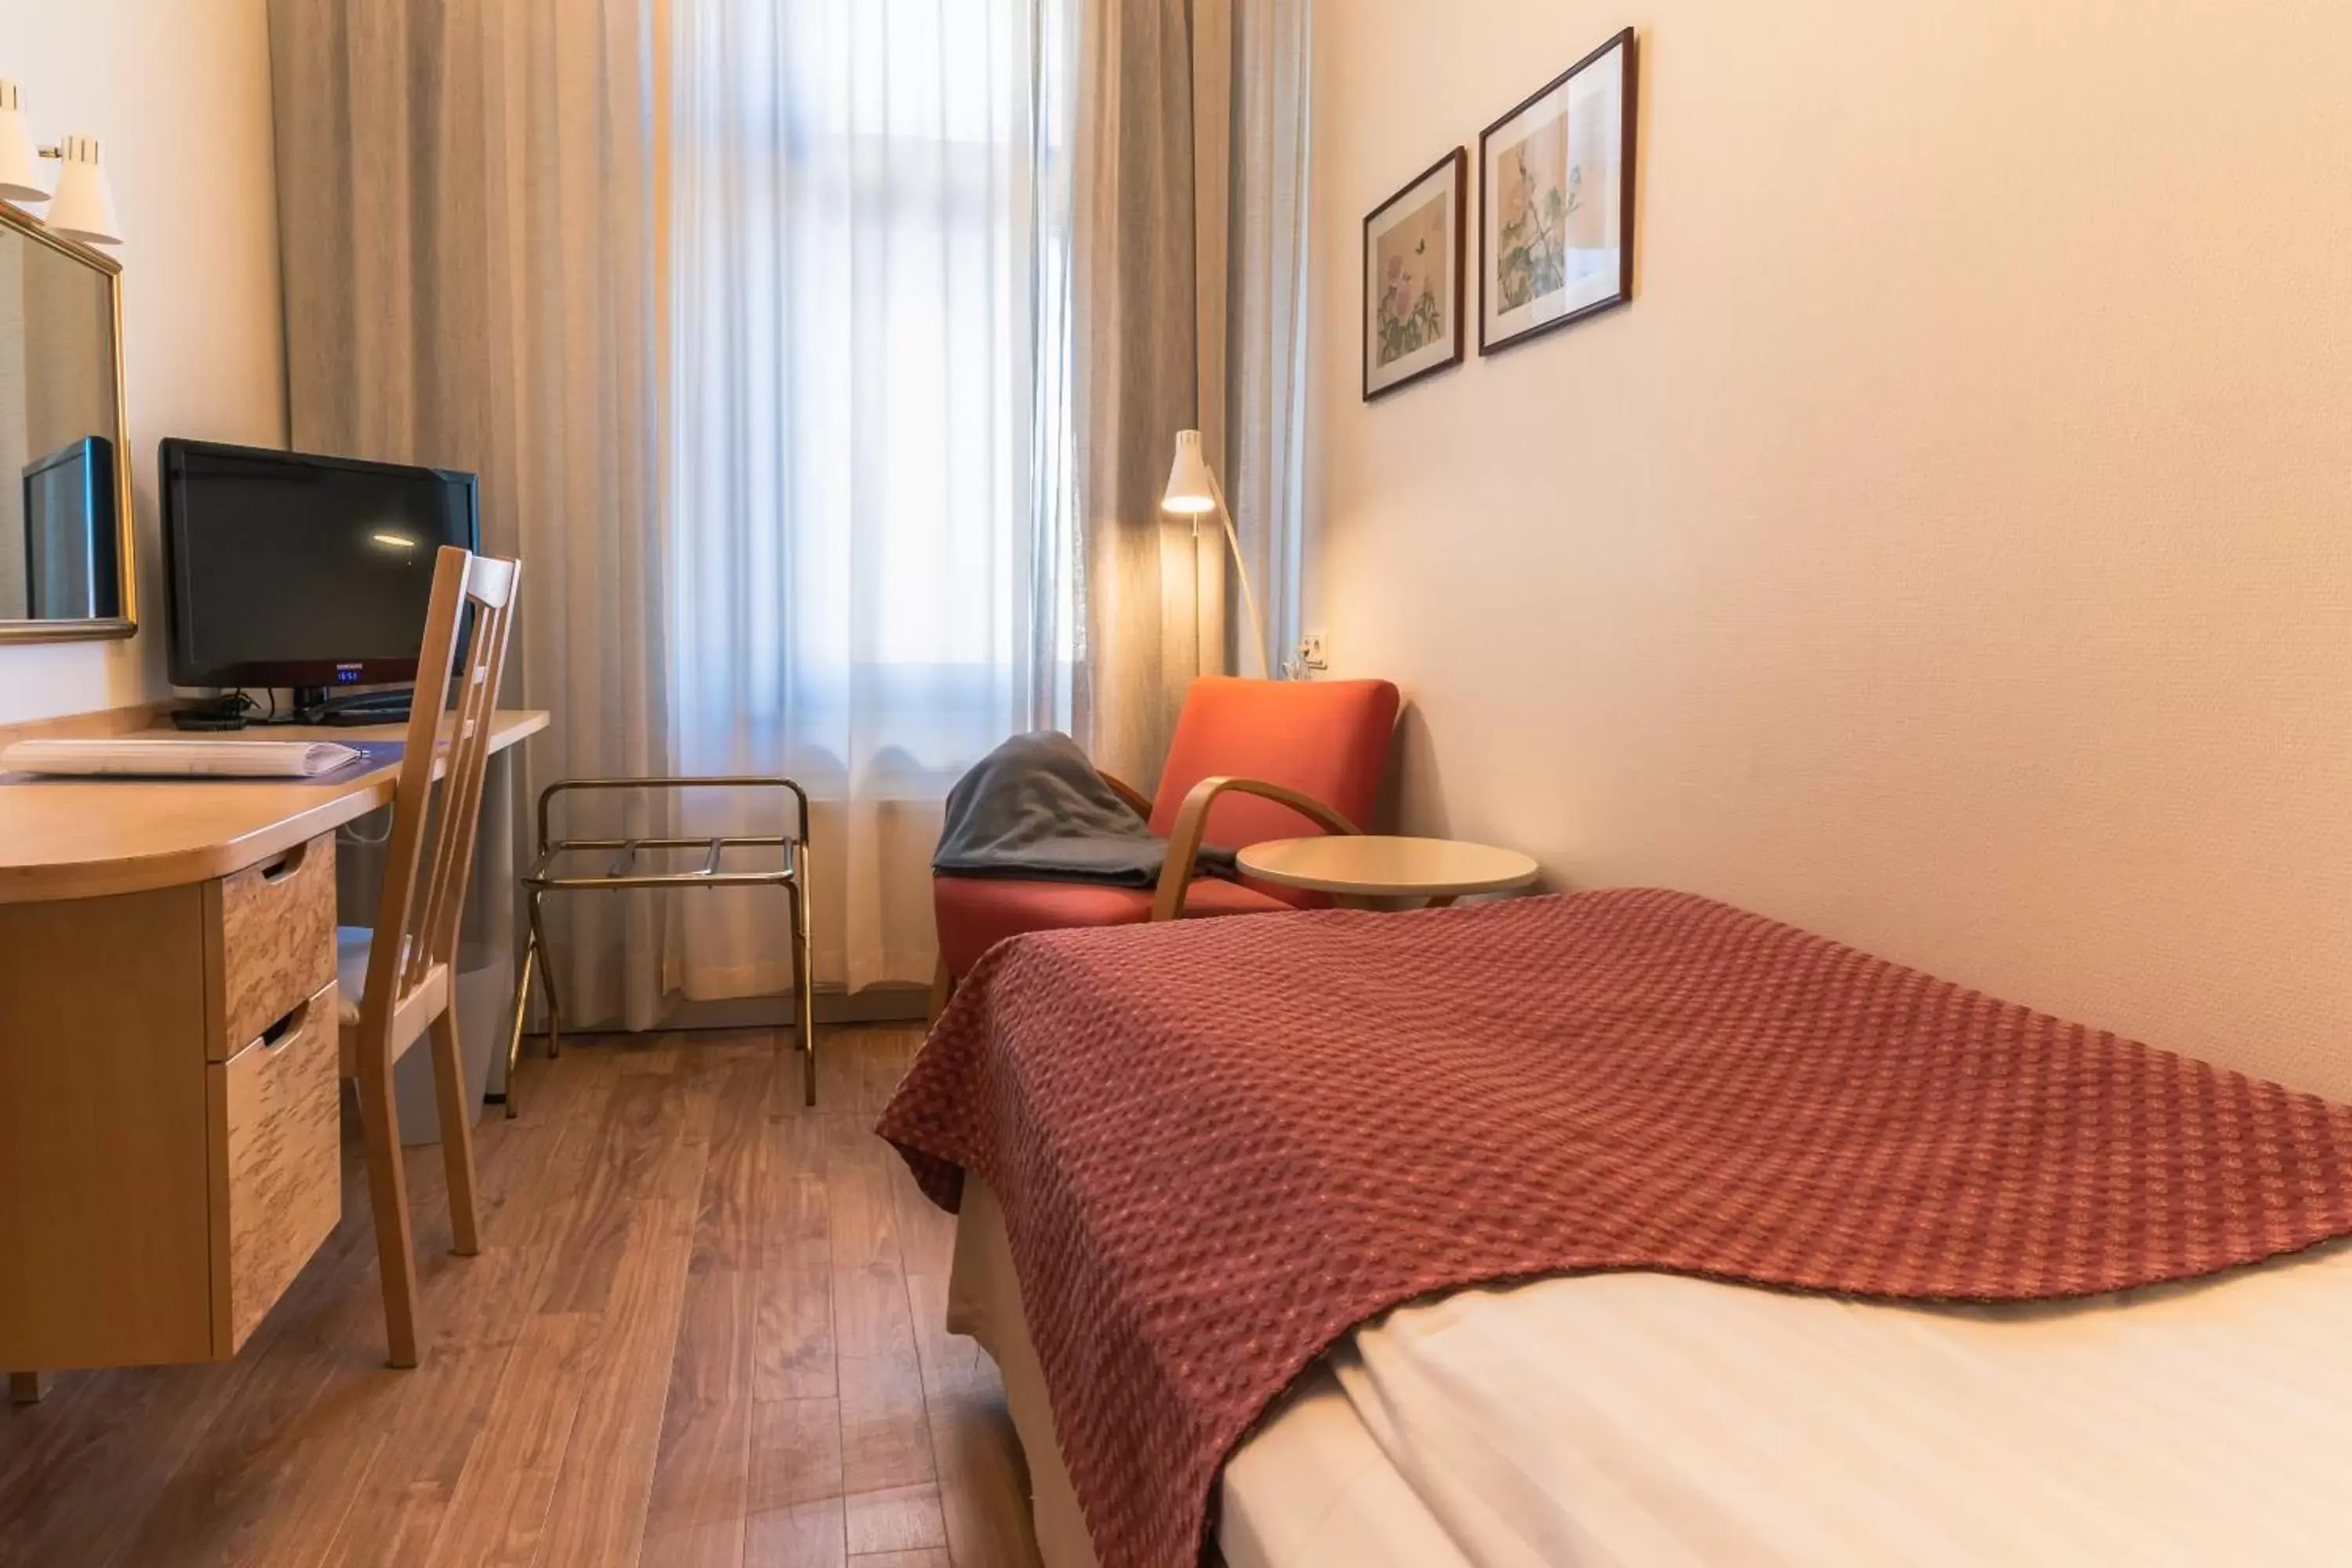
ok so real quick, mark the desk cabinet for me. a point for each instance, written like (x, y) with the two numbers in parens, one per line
(170, 1103)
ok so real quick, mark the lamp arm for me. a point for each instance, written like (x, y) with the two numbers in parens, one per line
(1249, 599)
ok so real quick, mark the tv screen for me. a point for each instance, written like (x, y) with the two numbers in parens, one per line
(291, 570)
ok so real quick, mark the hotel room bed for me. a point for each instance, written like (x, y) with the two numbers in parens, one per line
(1640, 1420)
(1446, 1237)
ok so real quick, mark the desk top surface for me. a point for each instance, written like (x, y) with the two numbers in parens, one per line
(82, 838)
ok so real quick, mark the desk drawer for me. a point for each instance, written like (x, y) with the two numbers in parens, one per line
(272, 927)
(277, 1179)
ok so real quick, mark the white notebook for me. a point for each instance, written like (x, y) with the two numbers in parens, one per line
(163, 757)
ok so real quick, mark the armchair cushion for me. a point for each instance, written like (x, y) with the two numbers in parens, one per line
(977, 913)
(1329, 739)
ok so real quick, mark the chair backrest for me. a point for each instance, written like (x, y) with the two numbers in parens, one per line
(432, 851)
(1329, 739)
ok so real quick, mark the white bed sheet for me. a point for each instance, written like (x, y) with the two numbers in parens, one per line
(1649, 1419)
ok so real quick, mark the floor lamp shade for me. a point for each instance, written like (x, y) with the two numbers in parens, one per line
(1193, 491)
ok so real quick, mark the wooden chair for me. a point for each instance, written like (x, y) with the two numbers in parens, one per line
(399, 981)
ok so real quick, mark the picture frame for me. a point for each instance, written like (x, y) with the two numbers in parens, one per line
(1556, 201)
(1415, 258)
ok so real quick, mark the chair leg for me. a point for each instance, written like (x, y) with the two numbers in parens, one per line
(27, 1387)
(388, 1195)
(942, 993)
(457, 1132)
(546, 979)
(805, 983)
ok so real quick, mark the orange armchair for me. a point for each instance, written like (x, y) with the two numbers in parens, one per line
(1252, 760)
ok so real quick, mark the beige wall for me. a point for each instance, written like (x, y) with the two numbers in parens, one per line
(1951, 550)
(178, 91)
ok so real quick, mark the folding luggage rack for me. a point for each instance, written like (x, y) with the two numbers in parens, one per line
(622, 870)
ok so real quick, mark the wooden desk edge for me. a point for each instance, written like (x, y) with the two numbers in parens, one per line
(94, 879)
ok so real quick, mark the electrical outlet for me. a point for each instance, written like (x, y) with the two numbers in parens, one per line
(1312, 652)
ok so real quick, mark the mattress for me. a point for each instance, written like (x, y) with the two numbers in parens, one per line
(1641, 1418)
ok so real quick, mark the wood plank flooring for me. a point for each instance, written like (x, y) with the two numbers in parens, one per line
(704, 1332)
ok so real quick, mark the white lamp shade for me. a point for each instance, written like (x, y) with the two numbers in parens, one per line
(1191, 489)
(20, 164)
(83, 206)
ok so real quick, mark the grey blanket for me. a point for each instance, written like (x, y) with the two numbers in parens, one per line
(1035, 809)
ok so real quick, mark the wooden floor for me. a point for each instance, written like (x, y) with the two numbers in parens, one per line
(704, 1329)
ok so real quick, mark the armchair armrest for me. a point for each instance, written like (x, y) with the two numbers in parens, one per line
(1127, 792)
(1193, 821)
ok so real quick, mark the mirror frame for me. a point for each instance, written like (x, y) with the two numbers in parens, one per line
(15, 219)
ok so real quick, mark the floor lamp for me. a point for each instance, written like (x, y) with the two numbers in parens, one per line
(1193, 491)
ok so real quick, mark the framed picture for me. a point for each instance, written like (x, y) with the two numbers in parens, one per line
(1413, 277)
(1556, 201)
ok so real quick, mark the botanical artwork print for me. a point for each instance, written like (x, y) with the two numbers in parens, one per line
(1411, 262)
(1538, 194)
(1553, 210)
(1412, 279)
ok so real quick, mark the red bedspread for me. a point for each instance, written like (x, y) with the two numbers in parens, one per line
(1222, 1145)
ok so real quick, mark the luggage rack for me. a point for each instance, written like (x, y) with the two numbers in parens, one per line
(622, 870)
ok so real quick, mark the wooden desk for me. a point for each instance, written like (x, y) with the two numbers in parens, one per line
(75, 838)
(169, 1063)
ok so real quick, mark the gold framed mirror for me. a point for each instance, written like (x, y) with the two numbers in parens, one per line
(69, 568)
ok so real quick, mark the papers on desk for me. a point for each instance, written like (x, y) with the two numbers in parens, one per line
(162, 757)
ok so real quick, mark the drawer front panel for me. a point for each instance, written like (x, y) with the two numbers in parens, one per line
(277, 937)
(277, 1175)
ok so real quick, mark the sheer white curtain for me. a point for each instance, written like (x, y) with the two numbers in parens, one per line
(1265, 427)
(874, 565)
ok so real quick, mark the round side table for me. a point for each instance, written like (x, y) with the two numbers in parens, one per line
(1358, 868)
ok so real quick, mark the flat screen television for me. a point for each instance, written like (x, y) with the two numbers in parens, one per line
(287, 569)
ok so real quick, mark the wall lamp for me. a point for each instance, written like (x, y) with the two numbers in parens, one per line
(82, 205)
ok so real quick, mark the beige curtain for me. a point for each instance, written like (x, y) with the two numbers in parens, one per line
(1189, 257)
(475, 203)
(467, 207)
(1138, 240)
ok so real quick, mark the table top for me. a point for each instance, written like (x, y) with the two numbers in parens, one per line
(82, 839)
(1372, 865)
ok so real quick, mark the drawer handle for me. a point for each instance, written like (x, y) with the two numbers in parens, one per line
(286, 1030)
(286, 864)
